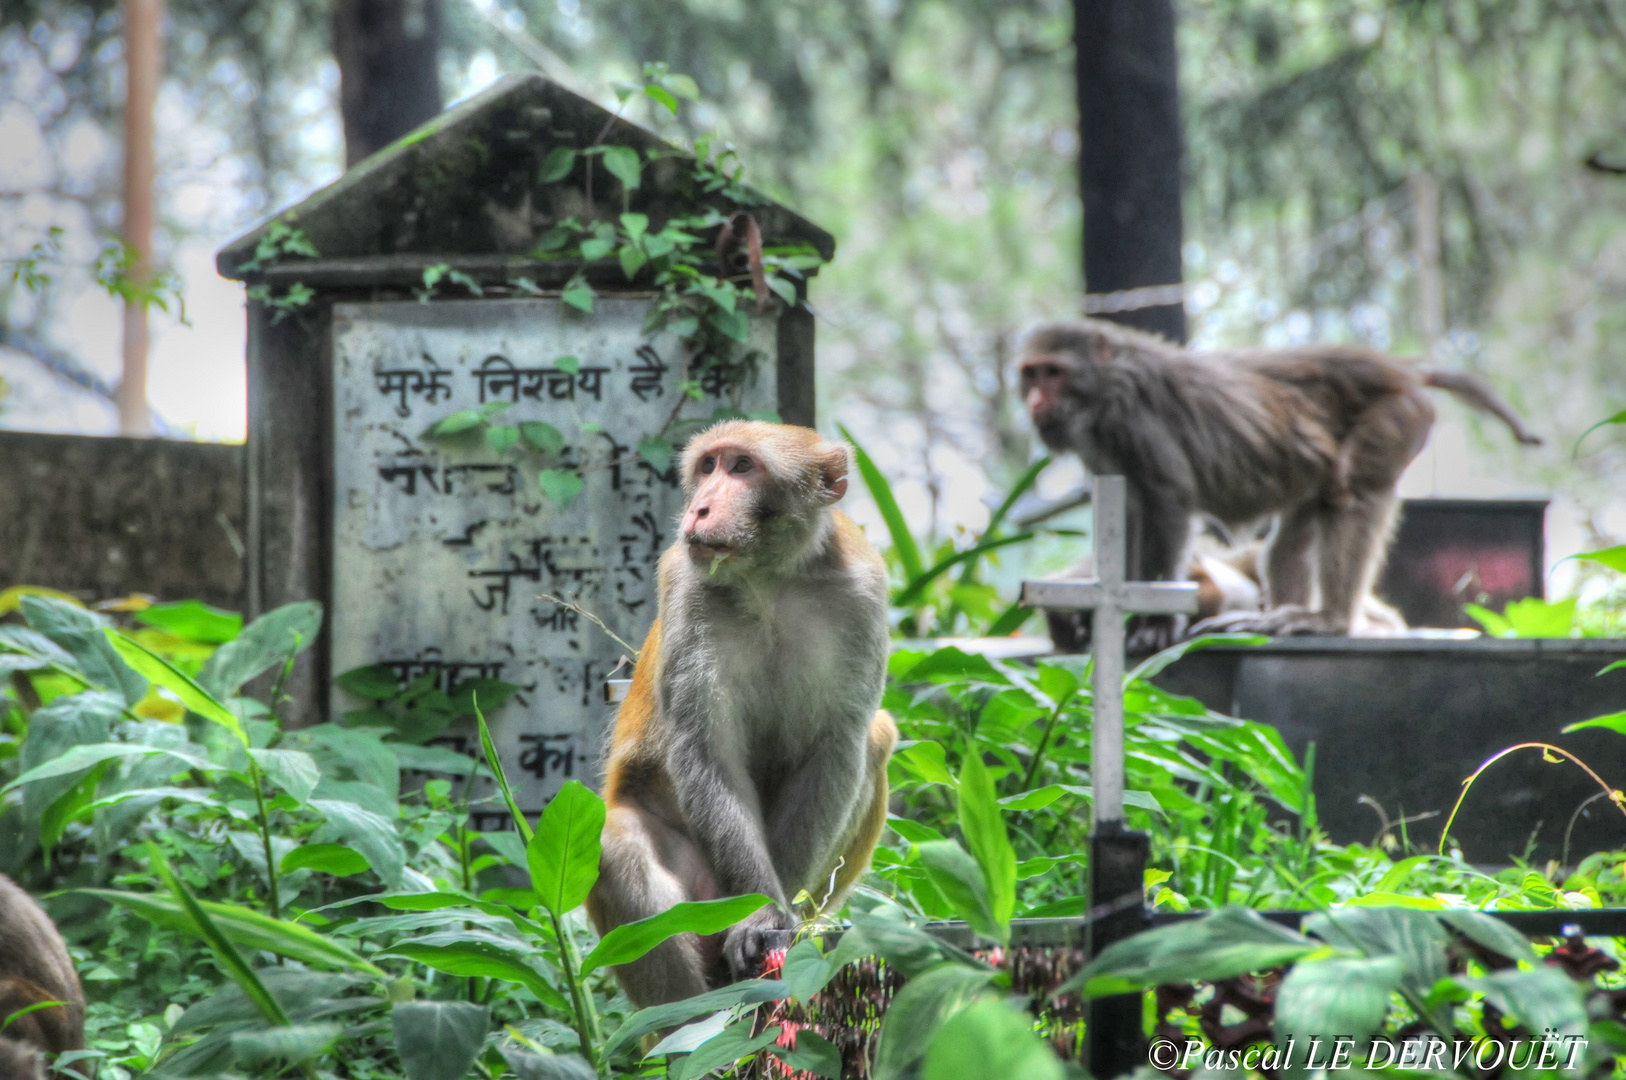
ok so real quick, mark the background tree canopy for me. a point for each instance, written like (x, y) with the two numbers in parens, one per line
(938, 142)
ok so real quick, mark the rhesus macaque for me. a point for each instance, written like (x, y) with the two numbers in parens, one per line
(749, 755)
(35, 968)
(1315, 437)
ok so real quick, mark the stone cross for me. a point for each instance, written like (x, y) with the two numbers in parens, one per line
(1110, 598)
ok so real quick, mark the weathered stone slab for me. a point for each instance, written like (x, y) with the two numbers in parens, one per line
(447, 555)
(103, 517)
(1403, 722)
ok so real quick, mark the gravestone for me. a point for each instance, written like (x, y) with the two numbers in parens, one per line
(449, 555)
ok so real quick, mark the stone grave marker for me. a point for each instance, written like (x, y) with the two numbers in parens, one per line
(449, 555)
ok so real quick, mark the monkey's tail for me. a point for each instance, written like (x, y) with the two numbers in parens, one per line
(1475, 392)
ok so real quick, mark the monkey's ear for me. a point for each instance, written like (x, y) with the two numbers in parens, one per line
(833, 474)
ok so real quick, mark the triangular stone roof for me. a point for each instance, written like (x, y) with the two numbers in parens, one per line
(467, 183)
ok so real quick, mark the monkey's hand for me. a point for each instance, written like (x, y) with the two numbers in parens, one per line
(745, 946)
(1146, 634)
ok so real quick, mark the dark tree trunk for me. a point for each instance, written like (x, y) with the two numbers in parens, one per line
(389, 79)
(1129, 155)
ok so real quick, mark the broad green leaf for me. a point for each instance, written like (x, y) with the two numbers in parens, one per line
(545, 437)
(1490, 932)
(80, 758)
(294, 771)
(1541, 998)
(949, 664)
(161, 672)
(635, 224)
(1415, 936)
(1037, 799)
(642, 1022)
(990, 1040)
(438, 1040)
(686, 1038)
(563, 855)
(682, 85)
(263, 644)
(1232, 941)
(963, 884)
(82, 634)
(372, 835)
(628, 942)
(663, 96)
(912, 830)
(194, 620)
(532, 1066)
(435, 759)
(483, 955)
(335, 859)
(1494, 624)
(245, 927)
(984, 828)
(1614, 558)
(300, 992)
(571, 365)
(502, 437)
(559, 162)
(296, 1043)
(813, 1053)
(735, 325)
(908, 948)
(1335, 997)
(622, 163)
(561, 486)
(632, 260)
(903, 541)
(459, 421)
(75, 720)
(806, 970)
(378, 682)
(918, 1010)
(658, 452)
(723, 1049)
(925, 759)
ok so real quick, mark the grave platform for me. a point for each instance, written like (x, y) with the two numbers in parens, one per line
(1403, 721)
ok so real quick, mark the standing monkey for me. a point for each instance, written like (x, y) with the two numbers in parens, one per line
(1316, 436)
(35, 969)
(749, 755)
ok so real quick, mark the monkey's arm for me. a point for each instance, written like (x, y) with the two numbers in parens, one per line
(719, 805)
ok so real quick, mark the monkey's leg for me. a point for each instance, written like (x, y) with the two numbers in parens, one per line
(1159, 533)
(1285, 574)
(635, 882)
(869, 816)
(1354, 540)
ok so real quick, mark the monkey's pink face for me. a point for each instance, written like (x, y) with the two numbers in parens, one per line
(721, 516)
(1042, 378)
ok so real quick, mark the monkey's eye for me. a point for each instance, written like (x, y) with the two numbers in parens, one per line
(708, 465)
(743, 465)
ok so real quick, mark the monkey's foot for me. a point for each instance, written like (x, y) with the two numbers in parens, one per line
(1289, 620)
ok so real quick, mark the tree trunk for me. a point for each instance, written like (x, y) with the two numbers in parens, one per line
(1129, 154)
(389, 78)
(143, 52)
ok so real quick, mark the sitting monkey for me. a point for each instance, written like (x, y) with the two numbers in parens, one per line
(749, 755)
(34, 969)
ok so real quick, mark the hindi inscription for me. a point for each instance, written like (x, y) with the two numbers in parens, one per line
(444, 551)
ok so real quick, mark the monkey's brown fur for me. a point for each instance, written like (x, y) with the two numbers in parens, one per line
(750, 755)
(35, 968)
(1315, 436)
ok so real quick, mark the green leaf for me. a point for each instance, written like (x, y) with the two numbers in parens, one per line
(663, 96)
(1618, 418)
(570, 365)
(1232, 941)
(1335, 997)
(193, 620)
(299, 1042)
(925, 759)
(495, 764)
(294, 771)
(725, 1048)
(563, 855)
(545, 437)
(1610, 721)
(682, 85)
(735, 325)
(245, 927)
(502, 438)
(559, 162)
(628, 942)
(81, 633)
(1540, 998)
(335, 859)
(561, 486)
(1037, 799)
(948, 665)
(985, 835)
(1488, 931)
(813, 1053)
(963, 884)
(656, 451)
(783, 289)
(1494, 624)
(642, 1022)
(578, 294)
(1415, 936)
(622, 163)
(225, 952)
(908, 948)
(632, 260)
(635, 224)
(468, 953)
(1614, 558)
(372, 835)
(438, 1040)
(990, 1040)
(89, 755)
(462, 420)
(265, 643)
(598, 247)
(918, 1010)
